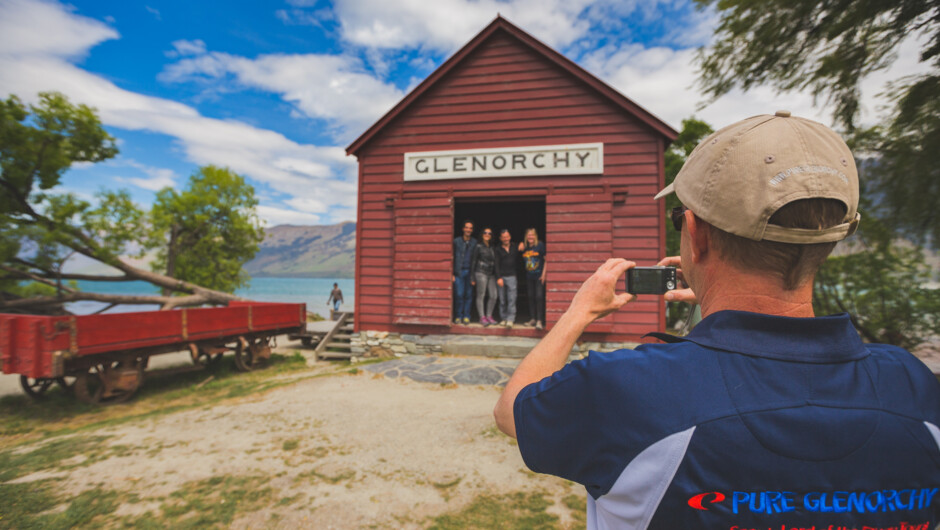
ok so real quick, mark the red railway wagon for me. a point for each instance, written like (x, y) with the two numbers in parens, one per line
(107, 354)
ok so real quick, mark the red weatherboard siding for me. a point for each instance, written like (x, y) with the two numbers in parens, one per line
(504, 93)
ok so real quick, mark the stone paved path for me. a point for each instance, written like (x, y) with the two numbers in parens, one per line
(446, 370)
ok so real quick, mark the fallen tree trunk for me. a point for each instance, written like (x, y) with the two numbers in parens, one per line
(195, 296)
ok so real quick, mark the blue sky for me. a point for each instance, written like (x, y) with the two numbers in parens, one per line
(277, 90)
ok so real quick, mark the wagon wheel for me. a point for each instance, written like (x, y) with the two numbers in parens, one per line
(97, 385)
(35, 388)
(244, 360)
(306, 341)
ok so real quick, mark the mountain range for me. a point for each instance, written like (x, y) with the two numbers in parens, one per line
(327, 251)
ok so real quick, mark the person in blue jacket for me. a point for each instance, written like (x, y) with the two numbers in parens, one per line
(464, 245)
(765, 416)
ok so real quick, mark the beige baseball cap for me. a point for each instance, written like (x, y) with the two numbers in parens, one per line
(742, 174)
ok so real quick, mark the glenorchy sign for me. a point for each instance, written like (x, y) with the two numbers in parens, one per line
(576, 159)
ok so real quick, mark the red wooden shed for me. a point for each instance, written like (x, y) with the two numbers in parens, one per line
(511, 134)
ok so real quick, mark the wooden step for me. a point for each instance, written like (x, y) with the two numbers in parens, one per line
(334, 355)
(339, 345)
(342, 336)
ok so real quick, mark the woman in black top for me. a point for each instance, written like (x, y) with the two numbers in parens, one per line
(483, 274)
(507, 257)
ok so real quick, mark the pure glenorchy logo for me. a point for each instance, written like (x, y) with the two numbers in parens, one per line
(770, 502)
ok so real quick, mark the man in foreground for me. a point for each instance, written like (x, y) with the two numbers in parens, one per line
(765, 416)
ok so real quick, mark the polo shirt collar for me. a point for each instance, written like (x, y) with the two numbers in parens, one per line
(815, 340)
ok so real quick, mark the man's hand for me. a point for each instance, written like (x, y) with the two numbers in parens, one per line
(597, 296)
(499, 282)
(678, 295)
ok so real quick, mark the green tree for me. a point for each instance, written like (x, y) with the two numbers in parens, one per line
(828, 48)
(880, 282)
(41, 229)
(693, 131)
(210, 229)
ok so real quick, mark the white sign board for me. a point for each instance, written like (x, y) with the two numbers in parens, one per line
(575, 159)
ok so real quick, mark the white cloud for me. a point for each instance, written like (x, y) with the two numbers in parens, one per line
(182, 48)
(308, 205)
(157, 178)
(448, 24)
(335, 88)
(290, 168)
(274, 216)
(662, 81)
(154, 11)
(38, 28)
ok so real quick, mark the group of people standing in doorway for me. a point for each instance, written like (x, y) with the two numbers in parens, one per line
(488, 268)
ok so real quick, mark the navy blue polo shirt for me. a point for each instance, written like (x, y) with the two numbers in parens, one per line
(752, 421)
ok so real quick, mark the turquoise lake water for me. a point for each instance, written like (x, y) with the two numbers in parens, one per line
(312, 291)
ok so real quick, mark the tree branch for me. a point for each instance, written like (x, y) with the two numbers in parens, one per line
(166, 302)
(46, 273)
(28, 275)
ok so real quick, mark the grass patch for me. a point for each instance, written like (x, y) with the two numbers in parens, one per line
(24, 419)
(209, 503)
(578, 506)
(448, 484)
(27, 505)
(15, 464)
(332, 479)
(317, 452)
(285, 501)
(290, 445)
(514, 510)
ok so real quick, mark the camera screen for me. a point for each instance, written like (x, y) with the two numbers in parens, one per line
(646, 281)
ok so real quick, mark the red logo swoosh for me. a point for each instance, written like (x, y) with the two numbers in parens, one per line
(696, 502)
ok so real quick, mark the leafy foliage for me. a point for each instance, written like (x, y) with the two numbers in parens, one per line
(211, 229)
(212, 226)
(881, 284)
(828, 48)
(693, 131)
(37, 144)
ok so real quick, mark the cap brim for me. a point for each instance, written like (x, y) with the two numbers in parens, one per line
(666, 191)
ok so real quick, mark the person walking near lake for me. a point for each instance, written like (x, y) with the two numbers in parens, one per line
(484, 271)
(533, 254)
(463, 289)
(507, 257)
(336, 297)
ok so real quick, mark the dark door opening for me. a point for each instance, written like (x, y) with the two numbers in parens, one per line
(514, 214)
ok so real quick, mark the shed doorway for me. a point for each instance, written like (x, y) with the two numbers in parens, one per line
(513, 213)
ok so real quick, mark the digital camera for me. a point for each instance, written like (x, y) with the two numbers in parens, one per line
(651, 280)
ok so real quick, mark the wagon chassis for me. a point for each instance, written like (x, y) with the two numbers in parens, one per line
(113, 374)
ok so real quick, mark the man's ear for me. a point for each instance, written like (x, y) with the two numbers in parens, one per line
(699, 236)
